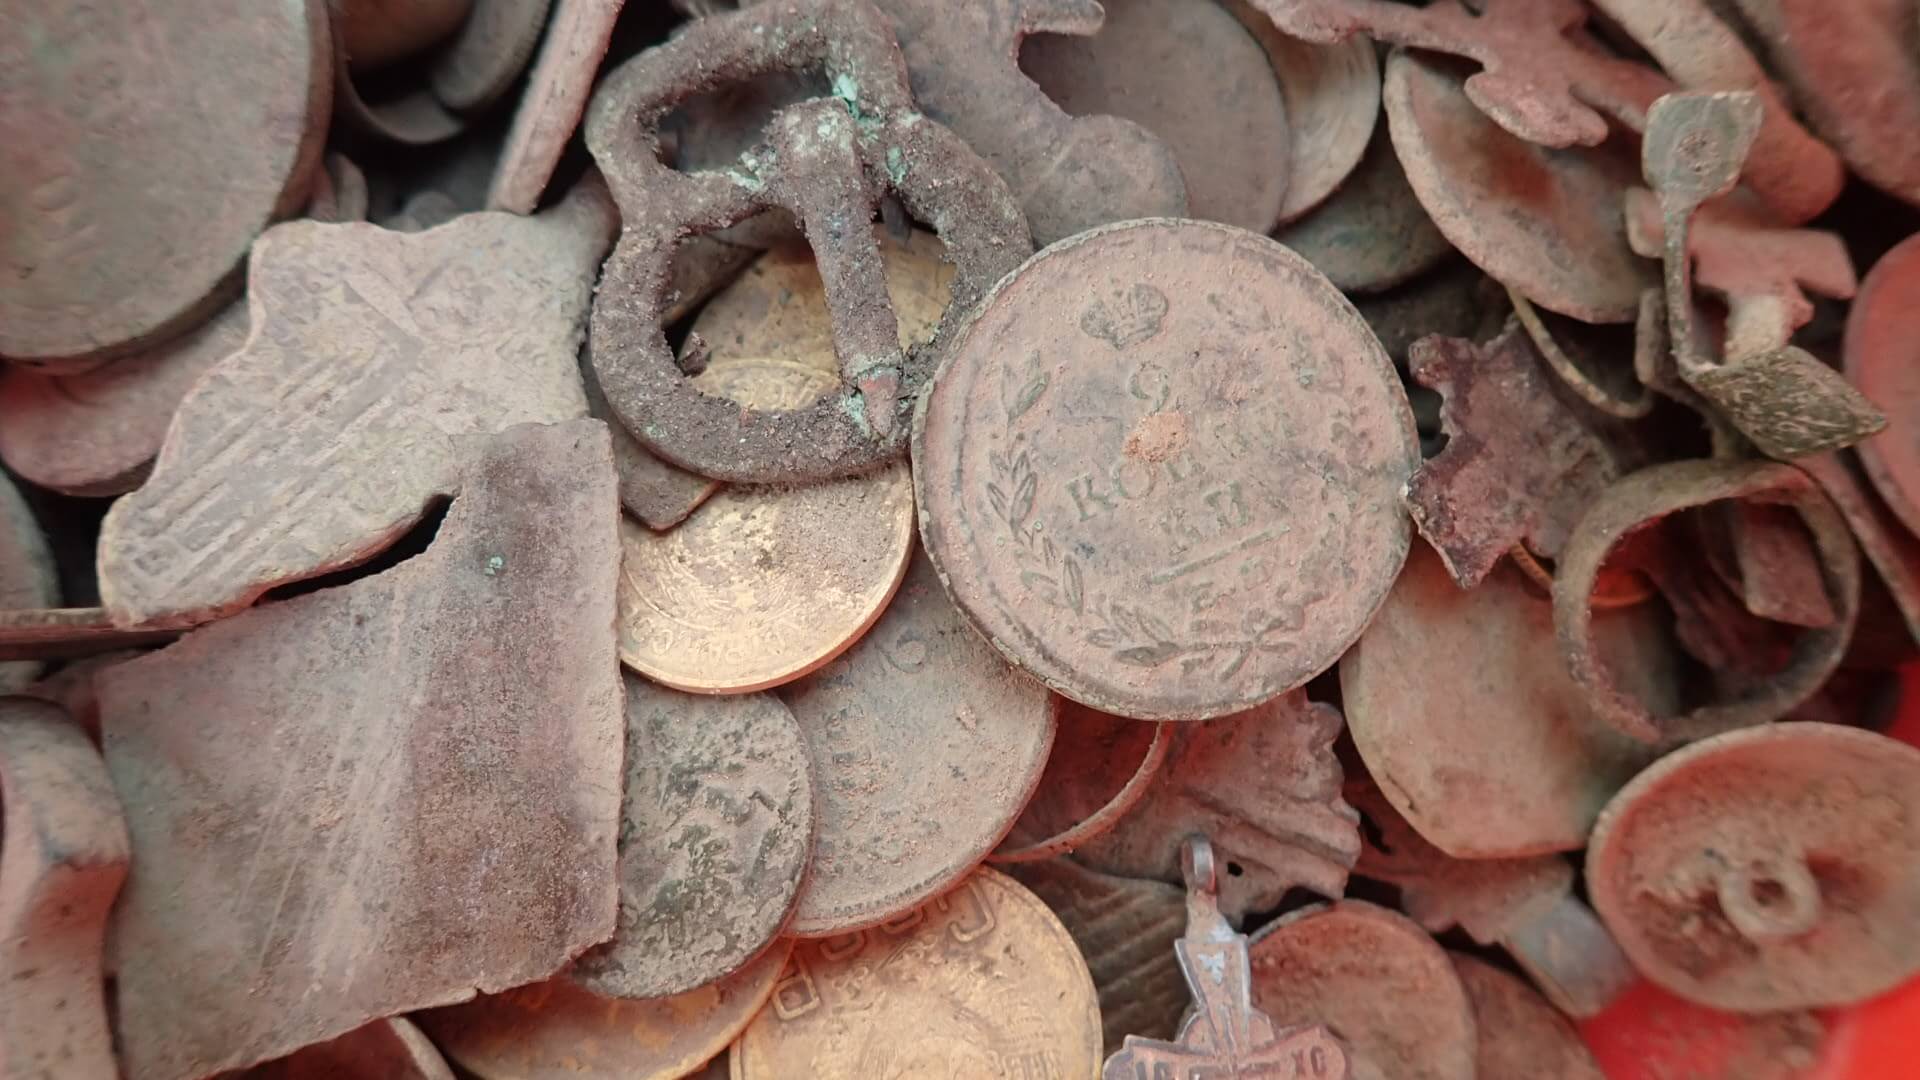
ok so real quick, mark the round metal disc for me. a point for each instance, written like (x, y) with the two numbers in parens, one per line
(1101, 767)
(1882, 347)
(1161, 469)
(1520, 1036)
(1333, 106)
(1371, 233)
(1774, 867)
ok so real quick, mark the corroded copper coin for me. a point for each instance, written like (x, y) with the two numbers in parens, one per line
(1466, 715)
(925, 747)
(1179, 495)
(1545, 222)
(1880, 353)
(141, 151)
(1769, 868)
(1100, 767)
(1377, 981)
(27, 578)
(1332, 92)
(716, 833)
(555, 1030)
(1187, 71)
(981, 981)
(1518, 1035)
(390, 1049)
(1371, 233)
(761, 585)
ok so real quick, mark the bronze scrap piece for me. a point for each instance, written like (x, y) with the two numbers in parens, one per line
(1519, 465)
(1777, 572)
(925, 748)
(1266, 785)
(1881, 329)
(1642, 498)
(1131, 511)
(715, 837)
(1889, 546)
(1070, 174)
(659, 494)
(326, 435)
(63, 856)
(58, 633)
(1520, 1036)
(1100, 767)
(28, 583)
(555, 1030)
(1373, 978)
(1615, 391)
(981, 981)
(1126, 929)
(1223, 1035)
(1466, 716)
(141, 151)
(318, 789)
(1767, 869)
(826, 159)
(1190, 73)
(470, 70)
(1332, 91)
(390, 1049)
(1546, 223)
(553, 102)
(1371, 233)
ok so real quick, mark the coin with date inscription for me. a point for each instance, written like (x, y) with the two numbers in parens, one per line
(1161, 467)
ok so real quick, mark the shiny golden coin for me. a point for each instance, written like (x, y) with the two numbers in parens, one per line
(555, 1030)
(778, 307)
(981, 982)
(761, 585)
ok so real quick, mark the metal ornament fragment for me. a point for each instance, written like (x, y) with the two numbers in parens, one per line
(980, 981)
(390, 1049)
(1767, 869)
(321, 440)
(1225, 1035)
(63, 856)
(1640, 499)
(347, 715)
(828, 160)
(1371, 233)
(28, 583)
(1100, 767)
(1135, 514)
(1519, 1036)
(1881, 329)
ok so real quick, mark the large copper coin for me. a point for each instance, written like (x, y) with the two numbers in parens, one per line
(980, 982)
(142, 149)
(1371, 233)
(717, 827)
(1187, 71)
(1882, 345)
(1466, 715)
(555, 1030)
(1100, 768)
(1546, 222)
(1775, 867)
(1178, 495)
(761, 585)
(1332, 93)
(925, 747)
(1521, 1037)
(27, 578)
(1377, 981)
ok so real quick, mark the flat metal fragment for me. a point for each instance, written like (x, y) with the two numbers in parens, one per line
(29, 585)
(555, 98)
(1519, 1035)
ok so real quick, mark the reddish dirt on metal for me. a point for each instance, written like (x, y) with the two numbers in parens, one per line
(27, 578)
(555, 99)
(1889, 545)
(715, 837)
(141, 151)
(1151, 577)
(1882, 329)
(1332, 93)
(1374, 979)
(1767, 869)
(341, 811)
(374, 33)
(1547, 223)
(63, 856)
(390, 1049)
(325, 436)
(1371, 233)
(1101, 766)
(1519, 1035)
(1191, 74)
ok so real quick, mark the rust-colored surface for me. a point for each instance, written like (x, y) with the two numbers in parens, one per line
(1579, 355)
(1069, 173)
(58, 633)
(553, 102)
(1371, 233)
(374, 33)
(97, 433)
(1520, 1036)
(1332, 91)
(141, 152)
(27, 580)
(1265, 786)
(761, 585)
(71, 688)
(1519, 466)
(1776, 568)
(1191, 74)
(1642, 498)
(1125, 928)
(1546, 223)
(339, 191)
(1889, 546)
(555, 1030)
(1455, 300)
(1881, 330)
(472, 68)
(63, 857)
(981, 981)
(659, 494)
(1100, 767)
(316, 789)
(1767, 869)
(715, 839)
(925, 748)
(1132, 511)
(1376, 981)
(391, 1049)
(1467, 717)
(324, 437)
(823, 167)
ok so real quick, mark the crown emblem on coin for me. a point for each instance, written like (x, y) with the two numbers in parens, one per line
(1126, 318)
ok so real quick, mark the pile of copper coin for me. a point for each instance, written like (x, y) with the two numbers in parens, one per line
(1030, 539)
